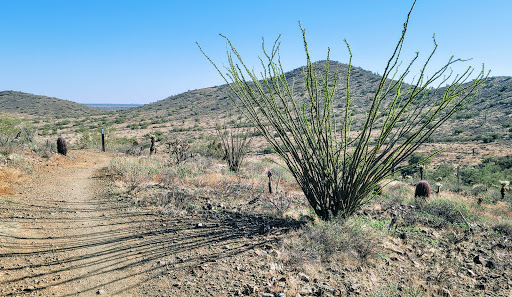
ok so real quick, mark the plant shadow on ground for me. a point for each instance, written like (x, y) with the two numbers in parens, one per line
(145, 244)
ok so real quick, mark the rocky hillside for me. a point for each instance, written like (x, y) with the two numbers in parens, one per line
(30, 104)
(487, 118)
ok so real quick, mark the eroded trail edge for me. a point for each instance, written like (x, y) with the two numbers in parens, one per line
(62, 235)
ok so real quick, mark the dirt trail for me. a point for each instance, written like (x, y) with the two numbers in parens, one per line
(62, 236)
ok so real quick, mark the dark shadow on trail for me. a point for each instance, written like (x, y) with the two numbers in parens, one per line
(136, 242)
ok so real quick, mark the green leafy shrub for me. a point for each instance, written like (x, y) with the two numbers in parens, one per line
(489, 172)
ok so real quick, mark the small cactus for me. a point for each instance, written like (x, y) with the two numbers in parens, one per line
(504, 184)
(438, 185)
(152, 149)
(422, 189)
(421, 167)
(62, 146)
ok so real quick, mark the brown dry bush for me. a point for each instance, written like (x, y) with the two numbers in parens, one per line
(9, 177)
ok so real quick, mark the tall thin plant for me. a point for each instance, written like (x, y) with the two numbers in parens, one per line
(339, 168)
(235, 143)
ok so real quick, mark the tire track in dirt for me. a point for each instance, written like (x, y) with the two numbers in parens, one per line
(64, 237)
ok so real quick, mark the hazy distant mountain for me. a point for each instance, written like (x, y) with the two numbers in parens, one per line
(30, 104)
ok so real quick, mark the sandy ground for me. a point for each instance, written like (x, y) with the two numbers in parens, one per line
(61, 236)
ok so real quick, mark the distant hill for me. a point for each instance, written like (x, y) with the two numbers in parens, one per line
(30, 104)
(214, 103)
(489, 115)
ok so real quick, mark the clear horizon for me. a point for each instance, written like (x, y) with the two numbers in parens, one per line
(132, 52)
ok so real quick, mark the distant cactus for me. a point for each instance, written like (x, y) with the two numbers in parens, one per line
(421, 167)
(422, 189)
(438, 185)
(504, 185)
(152, 149)
(62, 146)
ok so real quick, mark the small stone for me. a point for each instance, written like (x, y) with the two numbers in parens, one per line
(100, 292)
(306, 291)
(445, 293)
(303, 277)
(199, 225)
(162, 262)
(355, 287)
(282, 279)
(29, 289)
(267, 295)
(264, 229)
(489, 264)
(249, 289)
(281, 295)
(326, 288)
(478, 259)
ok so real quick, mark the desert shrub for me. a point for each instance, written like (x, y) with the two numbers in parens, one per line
(13, 133)
(44, 149)
(478, 190)
(179, 150)
(488, 137)
(414, 162)
(504, 228)
(444, 171)
(133, 172)
(489, 172)
(491, 196)
(448, 210)
(336, 173)
(397, 192)
(326, 240)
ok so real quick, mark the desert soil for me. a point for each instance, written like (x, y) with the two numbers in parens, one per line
(61, 236)
(64, 234)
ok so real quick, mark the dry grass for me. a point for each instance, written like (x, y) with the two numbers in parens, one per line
(9, 177)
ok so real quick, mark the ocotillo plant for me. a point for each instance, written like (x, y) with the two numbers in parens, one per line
(338, 171)
(62, 146)
(235, 144)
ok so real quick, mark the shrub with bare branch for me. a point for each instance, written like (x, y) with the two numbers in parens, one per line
(179, 150)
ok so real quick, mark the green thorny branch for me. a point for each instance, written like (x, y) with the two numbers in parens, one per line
(339, 169)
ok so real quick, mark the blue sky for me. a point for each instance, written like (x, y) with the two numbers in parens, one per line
(101, 51)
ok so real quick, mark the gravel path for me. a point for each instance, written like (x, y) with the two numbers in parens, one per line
(61, 236)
